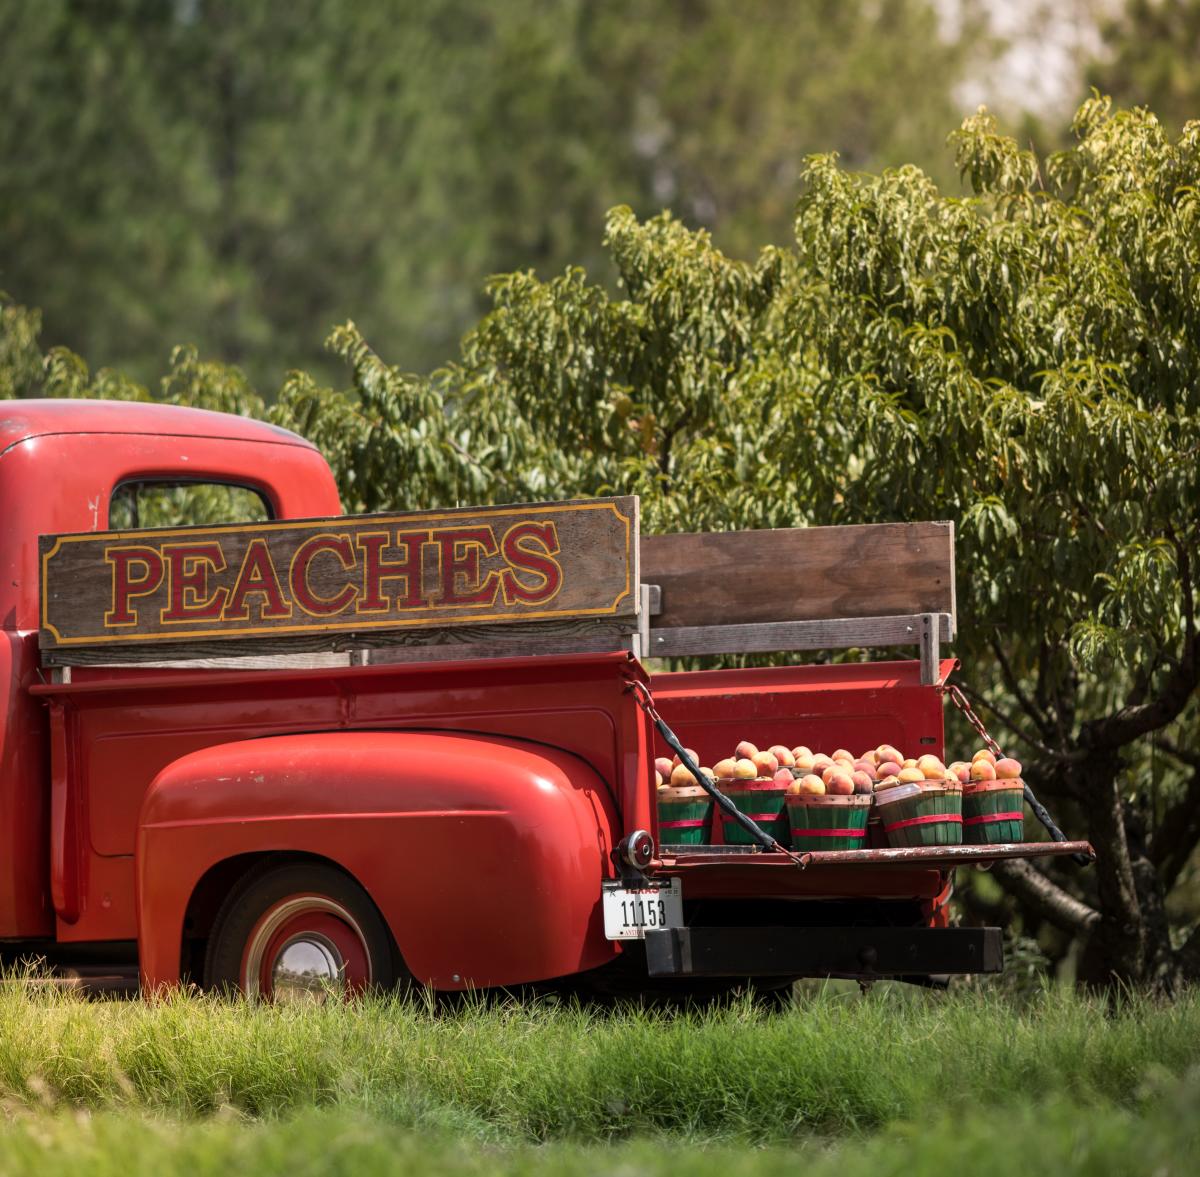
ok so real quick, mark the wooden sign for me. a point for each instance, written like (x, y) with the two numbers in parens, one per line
(352, 574)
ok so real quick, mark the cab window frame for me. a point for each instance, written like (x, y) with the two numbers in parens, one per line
(175, 483)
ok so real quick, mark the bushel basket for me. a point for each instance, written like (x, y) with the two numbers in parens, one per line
(993, 813)
(684, 816)
(761, 800)
(926, 814)
(827, 823)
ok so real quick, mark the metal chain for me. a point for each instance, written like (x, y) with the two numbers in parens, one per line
(1039, 810)
(645, 700)
(960, 701)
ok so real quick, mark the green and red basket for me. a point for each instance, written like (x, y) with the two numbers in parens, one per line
(685, 816)
(828, 823)
(928, 813)
(993, 812)
(762, 800)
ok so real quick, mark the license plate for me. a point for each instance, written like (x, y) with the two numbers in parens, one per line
(629, 911)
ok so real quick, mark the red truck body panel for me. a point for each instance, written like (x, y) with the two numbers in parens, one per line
(568, 720)
(854, 705)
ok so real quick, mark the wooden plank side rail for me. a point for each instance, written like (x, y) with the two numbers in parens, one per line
(769, 636)
(801, 574)
(889, 584)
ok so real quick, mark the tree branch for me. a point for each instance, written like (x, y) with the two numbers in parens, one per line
(1011, 724)
(1123, 727)
(1014, 684)
(1045, 897)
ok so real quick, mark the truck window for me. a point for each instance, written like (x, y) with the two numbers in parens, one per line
(184, 504)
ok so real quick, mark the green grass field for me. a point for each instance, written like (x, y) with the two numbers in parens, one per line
(896, 1081)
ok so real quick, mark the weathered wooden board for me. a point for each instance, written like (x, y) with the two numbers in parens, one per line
(924, 630)
(316, 582)
(801, 574)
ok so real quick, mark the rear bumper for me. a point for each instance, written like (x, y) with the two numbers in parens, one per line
(822, 952)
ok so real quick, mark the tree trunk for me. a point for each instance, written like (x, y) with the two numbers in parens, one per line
(1117, 949)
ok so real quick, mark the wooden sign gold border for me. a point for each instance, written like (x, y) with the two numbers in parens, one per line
(355, 625)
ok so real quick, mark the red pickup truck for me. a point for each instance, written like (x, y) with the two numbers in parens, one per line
(355, 814)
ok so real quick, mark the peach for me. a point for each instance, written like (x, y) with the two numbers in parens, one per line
(842, 754)
(871, 756)
(680, 777)
(783, 755)
(932, 767)
(866, 766)
(745, 769)
(888, 768)
(821, 762)
(829, 770)
(783, 775)
(863, 781)
(664, 764)
(910, 776)
(663, 785)
(812, 785)
(804, 763)
(726, 767)
(658, 779)
(1008, 769)
(960, 770)
(765, 763)
(910, 762)
(675, 761)
(983, 770)
(840, 783)
(984, 754)
(887, 752)
(802, 750)
(746, 750)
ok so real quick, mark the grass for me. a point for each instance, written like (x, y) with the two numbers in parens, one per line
(1161, 1137)
(891, 1082)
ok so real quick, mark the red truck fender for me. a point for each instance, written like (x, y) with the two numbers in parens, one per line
(483, 855)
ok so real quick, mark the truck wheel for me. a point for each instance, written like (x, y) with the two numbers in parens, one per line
(299, 932)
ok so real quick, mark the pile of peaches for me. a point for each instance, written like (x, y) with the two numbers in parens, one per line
(800, 770)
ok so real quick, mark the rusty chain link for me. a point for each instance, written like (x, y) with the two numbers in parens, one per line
(961, 702)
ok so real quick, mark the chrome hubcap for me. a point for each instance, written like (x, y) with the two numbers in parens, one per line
(309, 967)
(309, 964)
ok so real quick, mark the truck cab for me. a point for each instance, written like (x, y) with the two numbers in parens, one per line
(74, 465)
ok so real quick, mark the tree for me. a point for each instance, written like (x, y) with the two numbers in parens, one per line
(238, 175)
